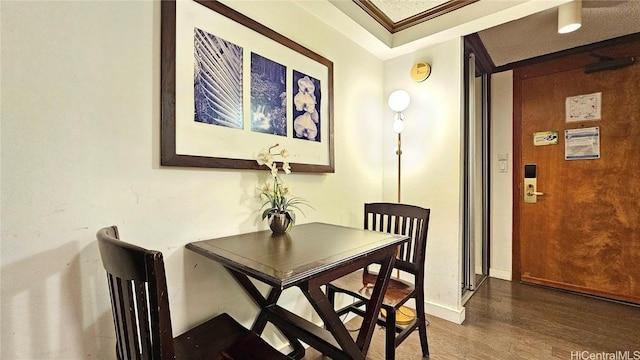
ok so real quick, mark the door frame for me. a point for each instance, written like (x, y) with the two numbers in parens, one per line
(483, 67)
(517, 175)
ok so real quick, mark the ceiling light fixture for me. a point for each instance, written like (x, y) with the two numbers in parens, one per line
(569, 16)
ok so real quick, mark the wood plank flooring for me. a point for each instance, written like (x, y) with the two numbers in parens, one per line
(506, 320)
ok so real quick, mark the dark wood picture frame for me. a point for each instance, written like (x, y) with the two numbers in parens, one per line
(169, 155)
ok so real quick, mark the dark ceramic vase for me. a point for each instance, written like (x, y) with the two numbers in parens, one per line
(279, 223)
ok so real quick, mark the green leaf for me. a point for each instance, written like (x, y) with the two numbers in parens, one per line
(266, 213)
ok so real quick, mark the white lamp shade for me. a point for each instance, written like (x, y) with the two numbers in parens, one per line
(569, 16)
(398, 123)
(399, 100)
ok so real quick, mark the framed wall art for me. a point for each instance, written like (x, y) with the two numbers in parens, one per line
(231, 87)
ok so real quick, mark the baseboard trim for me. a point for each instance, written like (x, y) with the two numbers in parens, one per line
(500, 274)
(444, 312)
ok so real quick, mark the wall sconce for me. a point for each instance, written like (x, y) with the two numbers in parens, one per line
(399, 101)
(569, 16)
(420, 71)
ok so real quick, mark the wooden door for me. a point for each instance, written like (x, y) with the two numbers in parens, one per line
(583, 234)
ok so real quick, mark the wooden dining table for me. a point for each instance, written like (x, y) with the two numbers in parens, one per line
(308, 257)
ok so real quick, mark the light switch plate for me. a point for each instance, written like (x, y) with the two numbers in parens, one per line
(502, 166)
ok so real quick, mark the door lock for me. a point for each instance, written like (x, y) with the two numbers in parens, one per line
(530, 184)
(531, 191)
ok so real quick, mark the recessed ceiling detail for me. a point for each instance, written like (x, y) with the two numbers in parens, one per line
(510, 30)
(397, 15)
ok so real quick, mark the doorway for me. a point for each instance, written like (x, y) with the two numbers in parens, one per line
(476, 173)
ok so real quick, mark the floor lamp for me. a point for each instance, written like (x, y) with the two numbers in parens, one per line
(399, 101)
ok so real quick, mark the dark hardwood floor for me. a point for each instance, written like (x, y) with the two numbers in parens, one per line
(506, 320)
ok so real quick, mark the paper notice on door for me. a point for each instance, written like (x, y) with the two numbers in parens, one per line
(583, 107)
(582, 144)
(545, 138)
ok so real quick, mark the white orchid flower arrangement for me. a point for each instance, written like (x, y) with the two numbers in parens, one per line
(275, 192)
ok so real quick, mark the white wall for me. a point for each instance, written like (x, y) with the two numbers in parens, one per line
(431, 164)
(501, 182)
(80, 150)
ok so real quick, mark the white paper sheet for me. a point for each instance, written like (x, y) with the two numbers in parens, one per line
(583, 107)
(582, 144)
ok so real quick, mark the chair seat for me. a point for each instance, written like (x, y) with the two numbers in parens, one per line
(223, 338)
(359, 284)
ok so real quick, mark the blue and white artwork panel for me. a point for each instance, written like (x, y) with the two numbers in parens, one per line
(307, 96)
(217, 81)
(268, 96)
(201, 138)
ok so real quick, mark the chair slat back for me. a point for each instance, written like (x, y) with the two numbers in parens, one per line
(402, 219)
(139, 300)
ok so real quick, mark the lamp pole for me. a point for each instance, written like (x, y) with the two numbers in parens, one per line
(399, 101)
(399, 153)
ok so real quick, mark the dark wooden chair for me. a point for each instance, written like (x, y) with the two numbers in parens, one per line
(140, 306)
(409, 220)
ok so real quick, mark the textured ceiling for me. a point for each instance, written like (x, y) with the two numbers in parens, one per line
(537, 35)
(398, 10)
(527, 37)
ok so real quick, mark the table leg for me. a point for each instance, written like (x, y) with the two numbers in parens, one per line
(261, 321)
(265, 303)
(332, 322)
(318, 299)
(371, 316)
